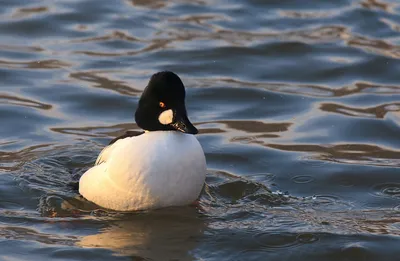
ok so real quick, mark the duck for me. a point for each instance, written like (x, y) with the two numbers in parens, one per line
(163, 166)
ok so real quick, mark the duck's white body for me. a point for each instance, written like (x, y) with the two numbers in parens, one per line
(154, 170)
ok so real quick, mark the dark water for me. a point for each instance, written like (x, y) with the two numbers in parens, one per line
(298, 104)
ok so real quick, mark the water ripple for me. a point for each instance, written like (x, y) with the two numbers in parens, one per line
(9, 99)
(361, 154)
(378, 112)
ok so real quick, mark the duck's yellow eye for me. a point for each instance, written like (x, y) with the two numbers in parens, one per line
(162, 105)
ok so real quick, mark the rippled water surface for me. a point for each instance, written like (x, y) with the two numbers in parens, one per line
(297, 103)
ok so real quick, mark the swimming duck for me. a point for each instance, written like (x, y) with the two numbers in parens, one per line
(164, 166)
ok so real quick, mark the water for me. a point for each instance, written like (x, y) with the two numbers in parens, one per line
(297, 103)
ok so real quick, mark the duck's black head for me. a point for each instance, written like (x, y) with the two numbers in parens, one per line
(162, 105)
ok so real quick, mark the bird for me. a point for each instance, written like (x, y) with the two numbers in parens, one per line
(163, 166)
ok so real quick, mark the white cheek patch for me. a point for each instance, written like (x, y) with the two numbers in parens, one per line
(166, 117)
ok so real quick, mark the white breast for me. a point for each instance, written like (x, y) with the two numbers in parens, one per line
(153, 170)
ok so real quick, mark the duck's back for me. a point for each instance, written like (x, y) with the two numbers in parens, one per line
(153, 170)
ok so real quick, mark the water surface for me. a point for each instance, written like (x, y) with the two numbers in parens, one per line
(297, 103)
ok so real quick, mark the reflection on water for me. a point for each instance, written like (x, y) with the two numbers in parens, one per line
(163, 235)
(297, 103)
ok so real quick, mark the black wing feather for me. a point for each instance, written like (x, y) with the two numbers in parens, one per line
(126, 135)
